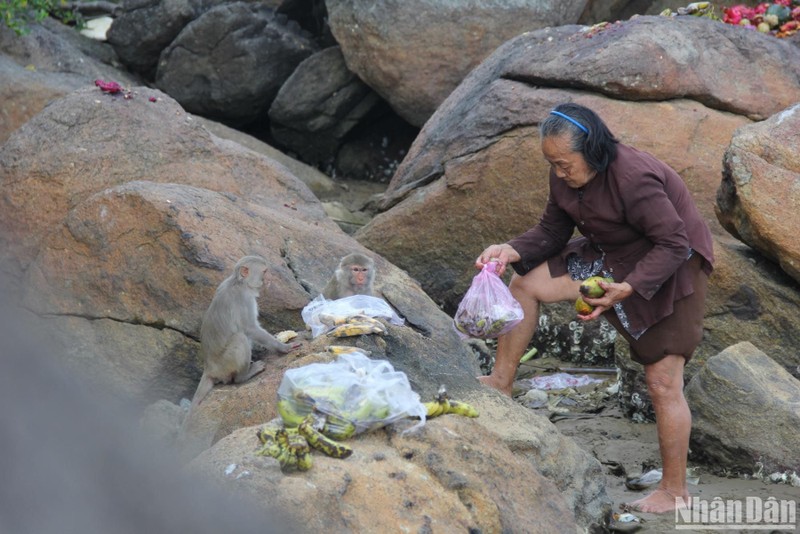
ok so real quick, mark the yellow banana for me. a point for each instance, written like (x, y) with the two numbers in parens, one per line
(286, 336)
(343, 349)
(304, 461)
(271, 448)
(355, 329)
(361, 318)
(287, 460)
(319, 441)
(287, 412)
(330, 319)
(338, 428)
(461, 408)
(296, 443)
(434, 408)
(293, 451)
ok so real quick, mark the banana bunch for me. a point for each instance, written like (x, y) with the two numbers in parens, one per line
(285, 445)
(320, 441)
(292, 446)
(352, 325)
(443, 404)
(333, 426)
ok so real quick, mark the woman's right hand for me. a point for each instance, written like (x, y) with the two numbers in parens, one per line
(503, 254)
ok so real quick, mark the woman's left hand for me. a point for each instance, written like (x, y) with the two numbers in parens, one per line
(613, 293)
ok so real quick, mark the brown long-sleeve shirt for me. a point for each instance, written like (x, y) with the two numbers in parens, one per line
(640, 217)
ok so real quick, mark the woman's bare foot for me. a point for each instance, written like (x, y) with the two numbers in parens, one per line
(492, 381)
(660, 501)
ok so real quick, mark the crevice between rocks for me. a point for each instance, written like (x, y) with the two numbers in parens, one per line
(155, 325)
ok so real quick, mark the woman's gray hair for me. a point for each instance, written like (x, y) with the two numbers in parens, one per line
(588, 134)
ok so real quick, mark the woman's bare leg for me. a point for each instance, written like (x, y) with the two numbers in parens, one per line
(673, 424)
(530, 290)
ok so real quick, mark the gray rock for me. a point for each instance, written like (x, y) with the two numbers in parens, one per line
(415, 52)
(230, 62)
(745, 411)
(142, 29)
(452, 476)
(319, 183)
(49, 62)
(161, 421)
(318, 105)
(757, 199)
(91, 141)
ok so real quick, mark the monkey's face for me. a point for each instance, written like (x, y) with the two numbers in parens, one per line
(358, 275)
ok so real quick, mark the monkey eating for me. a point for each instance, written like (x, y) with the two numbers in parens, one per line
(354, 276)
(229, 328)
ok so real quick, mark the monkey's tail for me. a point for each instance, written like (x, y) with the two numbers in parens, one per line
(203, 389)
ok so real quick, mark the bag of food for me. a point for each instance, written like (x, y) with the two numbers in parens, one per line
(488, 309)
(322, 315)
(354, 394)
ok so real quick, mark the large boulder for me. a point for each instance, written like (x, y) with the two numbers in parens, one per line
(320, 184)
(745, 412)
(49, 62)
(142, 29)
(760, 79)
(318, 105)
(79, 142)
(758, 194)
(451, 476)
(428, 363)
(659, 58)
(229, 63)
(415, 52)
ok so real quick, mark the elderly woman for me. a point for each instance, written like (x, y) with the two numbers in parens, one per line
(639, 226)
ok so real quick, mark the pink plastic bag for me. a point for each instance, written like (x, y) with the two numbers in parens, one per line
(488, 309)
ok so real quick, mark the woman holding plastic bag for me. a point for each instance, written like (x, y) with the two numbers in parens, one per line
(488, 309)
(641, 228)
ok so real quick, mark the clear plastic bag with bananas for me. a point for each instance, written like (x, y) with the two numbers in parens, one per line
(322, 315)
(354, 394)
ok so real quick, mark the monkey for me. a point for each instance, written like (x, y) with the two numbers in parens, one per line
(229, 328)
(354, 276)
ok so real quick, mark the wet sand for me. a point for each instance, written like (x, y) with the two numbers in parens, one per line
(616, 441)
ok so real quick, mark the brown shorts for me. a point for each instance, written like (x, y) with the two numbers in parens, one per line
(678, 333)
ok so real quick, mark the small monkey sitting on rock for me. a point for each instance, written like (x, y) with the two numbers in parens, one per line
(229, 328)
(354, 276)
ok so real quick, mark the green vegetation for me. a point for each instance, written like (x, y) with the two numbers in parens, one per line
(19, 14)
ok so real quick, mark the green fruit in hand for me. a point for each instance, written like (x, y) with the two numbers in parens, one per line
(591, 286)
(582, 307)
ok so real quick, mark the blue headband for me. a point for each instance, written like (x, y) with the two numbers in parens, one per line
(573, 121)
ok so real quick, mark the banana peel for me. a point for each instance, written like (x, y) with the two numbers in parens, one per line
(286, 336)
(357, 329)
